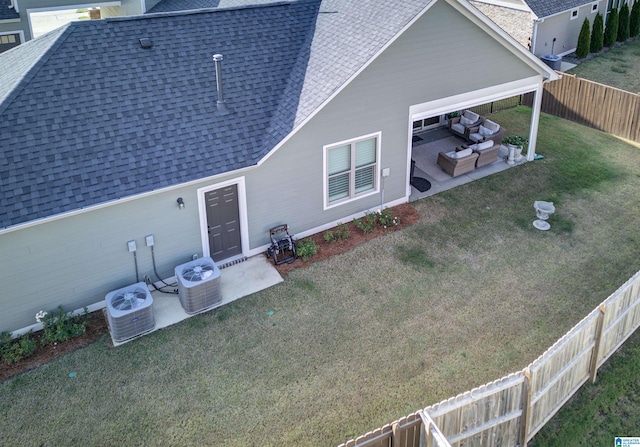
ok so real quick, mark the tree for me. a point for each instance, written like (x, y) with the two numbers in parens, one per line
(584, 39)
(597, 33)
(623, 23)
(611, 28)
(634, 19)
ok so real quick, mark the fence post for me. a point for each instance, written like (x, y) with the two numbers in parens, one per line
(595, 356)
(526, 407)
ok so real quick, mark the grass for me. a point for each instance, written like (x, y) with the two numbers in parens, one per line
(600, 412)
(468, 294)
(618, 67)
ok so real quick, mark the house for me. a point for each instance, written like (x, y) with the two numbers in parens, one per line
(16, 25)
(118, 128)
(546, 26)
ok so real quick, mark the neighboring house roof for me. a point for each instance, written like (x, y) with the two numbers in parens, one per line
(7, 13)
(185, 5)
(545, 8)
(93, 117)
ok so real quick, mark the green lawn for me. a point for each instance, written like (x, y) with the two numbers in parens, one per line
(468, 294)
(618, 67)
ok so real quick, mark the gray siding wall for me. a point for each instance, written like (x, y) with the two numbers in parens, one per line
(564, 30)
(77, 260)
(428, 62)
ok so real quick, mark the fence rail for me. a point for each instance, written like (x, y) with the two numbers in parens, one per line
(511, 410)
(595, 105)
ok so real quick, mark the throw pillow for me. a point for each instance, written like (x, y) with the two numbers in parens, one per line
(484, 145)
(491, 125)
(463, 153)
(465, 121)
(451, 154)
(484, 131)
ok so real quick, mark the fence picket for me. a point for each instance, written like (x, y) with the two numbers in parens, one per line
(592, 104)
(511, 410)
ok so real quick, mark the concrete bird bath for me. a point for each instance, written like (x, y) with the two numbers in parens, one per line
(543, 211)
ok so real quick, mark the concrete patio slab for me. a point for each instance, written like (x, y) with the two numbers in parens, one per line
(236, 281)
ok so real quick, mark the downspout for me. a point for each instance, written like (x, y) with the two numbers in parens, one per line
(534, 35)
(14, 4)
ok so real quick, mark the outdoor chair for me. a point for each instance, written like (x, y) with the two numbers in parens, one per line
(487, 152)
(460, 125)
(456, 163)
(488, 130)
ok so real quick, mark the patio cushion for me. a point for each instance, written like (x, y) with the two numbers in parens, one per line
(485, 131)
(463, 153)
(471, 115)
(466, 121)
(484, 145)
(458, 127)
(493, 127)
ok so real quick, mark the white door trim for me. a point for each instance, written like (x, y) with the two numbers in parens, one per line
(242, 211)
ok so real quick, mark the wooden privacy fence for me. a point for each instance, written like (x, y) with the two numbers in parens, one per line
(595, 105)
(510, 411)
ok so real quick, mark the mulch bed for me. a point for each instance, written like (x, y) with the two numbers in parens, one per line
(407, 214)
(97, 325)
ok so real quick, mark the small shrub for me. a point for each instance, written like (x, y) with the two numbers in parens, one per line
(584, 40)
(387, 219)
(368, 223)
(634, 20)
(330, 236)
(306, 248)
(611, 28)
(623, 23)
(597, 34)
(59, 326)
(340, 233)
(21, 348)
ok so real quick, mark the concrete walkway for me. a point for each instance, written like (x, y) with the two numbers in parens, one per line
(237, 281)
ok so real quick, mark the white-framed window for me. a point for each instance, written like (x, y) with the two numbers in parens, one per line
(574, 13)
(594, 7)
(351, 169)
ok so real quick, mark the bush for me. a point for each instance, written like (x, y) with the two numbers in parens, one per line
(387, 219)
(611, 28)
(634, 20)
(623, 23)
(306, 248)
(368, 223)
(59, 326)
(340, 233)
(597, 34)
(16, 350)
(584, 40)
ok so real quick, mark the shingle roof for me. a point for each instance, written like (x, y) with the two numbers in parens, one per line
(98, 118)
(185, 5)
(545, 8)
(7, 13)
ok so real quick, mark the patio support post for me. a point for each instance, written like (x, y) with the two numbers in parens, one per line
(535, 120)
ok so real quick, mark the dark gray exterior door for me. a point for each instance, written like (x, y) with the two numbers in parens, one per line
(223, 222)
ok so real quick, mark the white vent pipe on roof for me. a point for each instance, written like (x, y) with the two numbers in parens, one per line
(222, 106)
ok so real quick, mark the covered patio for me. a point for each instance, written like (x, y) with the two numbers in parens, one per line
(426, 146)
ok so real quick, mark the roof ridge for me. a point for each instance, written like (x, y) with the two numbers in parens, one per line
(153, 15)
(59, 35)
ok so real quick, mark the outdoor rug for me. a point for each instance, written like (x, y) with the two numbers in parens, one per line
(426, 157)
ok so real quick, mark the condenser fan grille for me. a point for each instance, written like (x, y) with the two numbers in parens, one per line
(127, 300)
(198, 272)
